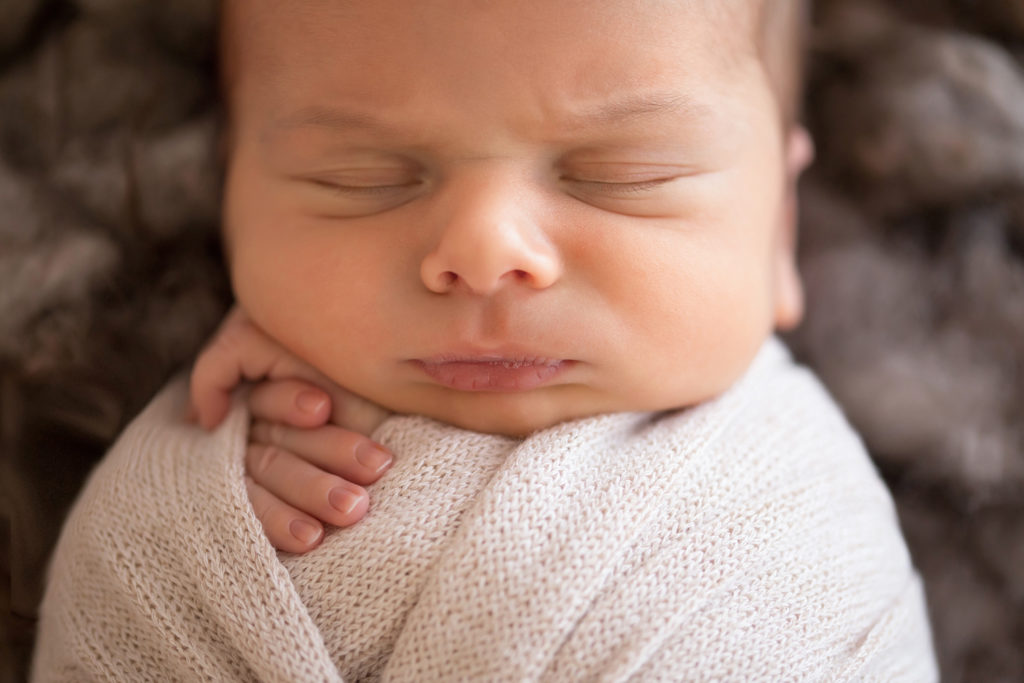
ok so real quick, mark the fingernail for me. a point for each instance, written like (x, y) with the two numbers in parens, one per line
(373, 457)
(343, 500)
(304, 531)
(310, 401)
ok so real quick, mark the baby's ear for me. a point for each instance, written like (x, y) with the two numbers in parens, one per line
(789, 291)
(799, 153)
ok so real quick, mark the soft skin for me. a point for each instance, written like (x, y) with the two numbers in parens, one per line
(609, 184)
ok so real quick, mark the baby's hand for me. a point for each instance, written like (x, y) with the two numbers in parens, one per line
(304, 466)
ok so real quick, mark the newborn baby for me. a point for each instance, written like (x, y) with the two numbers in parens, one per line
(552, 241)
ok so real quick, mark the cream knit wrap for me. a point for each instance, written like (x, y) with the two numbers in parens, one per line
(745, 539)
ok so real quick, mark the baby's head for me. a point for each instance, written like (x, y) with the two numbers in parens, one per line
(505, 214)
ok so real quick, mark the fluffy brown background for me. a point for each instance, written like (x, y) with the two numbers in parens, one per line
(912, 248)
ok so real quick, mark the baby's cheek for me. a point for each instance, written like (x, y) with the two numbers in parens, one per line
(709, 336)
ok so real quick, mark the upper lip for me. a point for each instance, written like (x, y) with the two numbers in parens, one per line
(489, 358)
(508, 353)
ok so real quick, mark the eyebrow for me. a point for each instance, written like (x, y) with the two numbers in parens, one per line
(605, 114)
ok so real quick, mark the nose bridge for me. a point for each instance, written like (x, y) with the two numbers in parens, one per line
(488, 237)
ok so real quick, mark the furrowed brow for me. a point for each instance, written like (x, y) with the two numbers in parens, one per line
(604, 114)
(331, 118)
(629, 109)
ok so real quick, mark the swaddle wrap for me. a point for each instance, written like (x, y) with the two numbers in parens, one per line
(748, 538)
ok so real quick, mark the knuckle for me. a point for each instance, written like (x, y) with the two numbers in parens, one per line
(266, 458)
(263, 511)
(231, 340)
(225, 342)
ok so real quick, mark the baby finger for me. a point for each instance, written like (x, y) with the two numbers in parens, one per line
(325, 496)
(287, 529)
(329, 448)
(291, 401)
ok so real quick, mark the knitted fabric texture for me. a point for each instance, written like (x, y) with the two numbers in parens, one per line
(748, 538)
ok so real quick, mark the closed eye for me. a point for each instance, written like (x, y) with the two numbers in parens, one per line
(366, 191)
(620, 188)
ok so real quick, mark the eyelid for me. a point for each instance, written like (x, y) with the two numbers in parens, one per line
(621, 188)
(357, 175)
(357, 186)
(624, 171)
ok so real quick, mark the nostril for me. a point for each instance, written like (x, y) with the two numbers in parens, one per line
(521, 275)
(448, 278)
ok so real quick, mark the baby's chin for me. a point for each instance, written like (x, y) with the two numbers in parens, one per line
(514, 415)
(504, 424)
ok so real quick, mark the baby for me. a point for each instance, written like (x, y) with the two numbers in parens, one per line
(551, 242)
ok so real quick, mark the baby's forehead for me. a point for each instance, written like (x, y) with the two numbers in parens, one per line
(265, 36)
(243, 21)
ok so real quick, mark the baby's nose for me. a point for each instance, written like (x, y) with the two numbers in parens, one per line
(489, 241)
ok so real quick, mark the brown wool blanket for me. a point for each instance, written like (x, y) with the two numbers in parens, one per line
(912, 250)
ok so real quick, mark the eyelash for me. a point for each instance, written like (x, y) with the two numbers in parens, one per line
(365, 190)
(635, 188)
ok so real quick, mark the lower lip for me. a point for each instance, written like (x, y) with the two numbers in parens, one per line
(493, 375)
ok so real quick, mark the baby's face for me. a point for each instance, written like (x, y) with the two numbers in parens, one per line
(508, 214)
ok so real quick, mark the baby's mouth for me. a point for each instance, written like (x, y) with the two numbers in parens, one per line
(489, 373)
